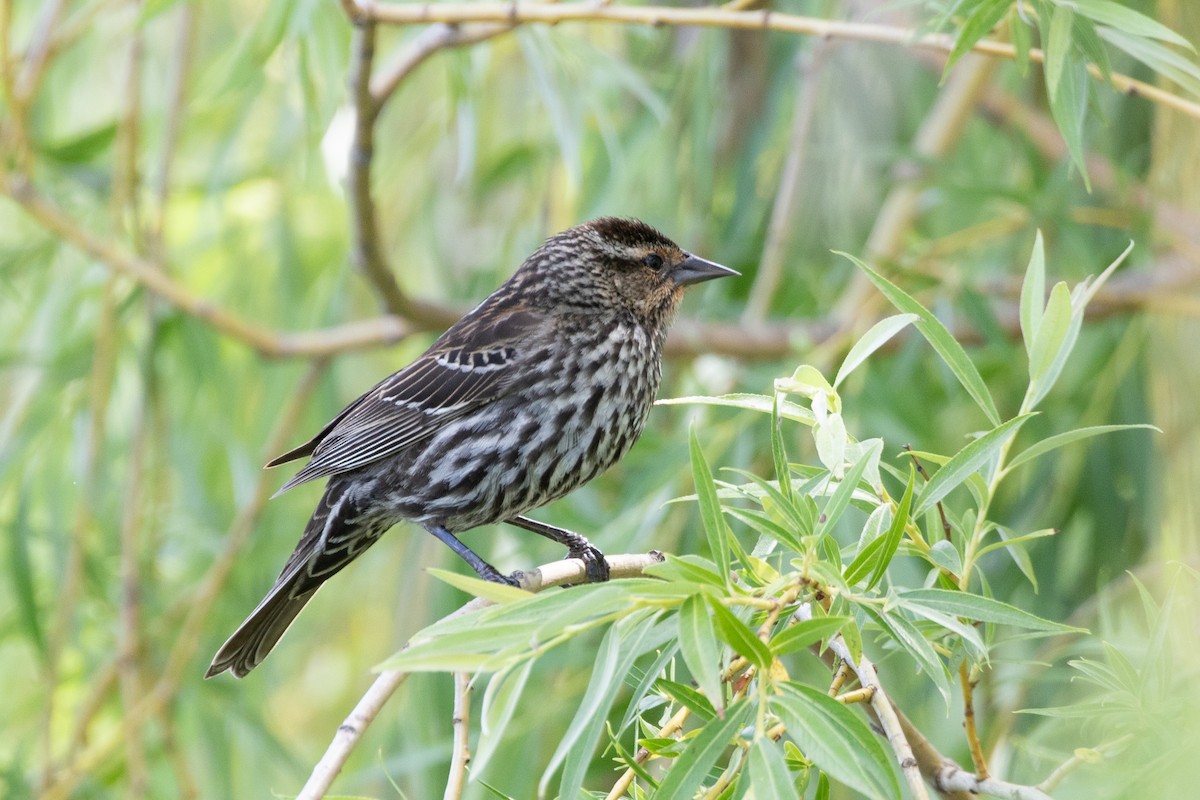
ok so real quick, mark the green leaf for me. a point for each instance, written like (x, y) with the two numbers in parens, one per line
(783, 473)
(1052, 443)
(799, 636)
(685, 695)
(1051, 333)
(945, 555)
(738, 635)
(837, 740)
(1162, 60)
(1058, 47)
(769, 774)
(621, 646)
(688, 569)
(939, 338)
(895, 532)
(690, 769)
(965, 462)
(879, 334)
(1068, 106)
(1020, 34)
(716, 530)
(499, 593)
(700, 649)
(840, 499)
(764, 404)
(977, 24)
(1125, 19)
(983, 609)
(500, 701)
(909, 638)
(1033, 293)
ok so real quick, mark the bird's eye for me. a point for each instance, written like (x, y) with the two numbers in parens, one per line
(653, 261)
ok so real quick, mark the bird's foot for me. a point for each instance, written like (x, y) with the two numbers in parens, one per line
(490, 573)
(593, 560)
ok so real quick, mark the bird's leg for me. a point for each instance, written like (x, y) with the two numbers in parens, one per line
(577, 546)
(481, 567)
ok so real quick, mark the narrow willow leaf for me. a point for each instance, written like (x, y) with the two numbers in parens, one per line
(716, 530)
(768, 527)
(621, 646)
(1033, 293)
(1088, 43)
(939, 338)
(638, 702)
(738, 635)
(837, 740)
(689, 770)
(687, 568)
(910, 639)
(500, 701)
(983, 609)
(977, 24)
(1058, 47)
(1052, 443)
(945, 555)
(1068, 106)
(1008, 539)
(1162, 60)
(1021, 39)
(840, 499)
(489, 590)
(1051, 335)
(783, 473)
(769, 774)
(685, 695)
(879, 335)
(965, 462)
(764, 404)
(700, 649)
(895, 532)
(1126, 19)
(802, 634)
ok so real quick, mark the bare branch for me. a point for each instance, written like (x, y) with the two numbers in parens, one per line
(551, 14)
(461, 750)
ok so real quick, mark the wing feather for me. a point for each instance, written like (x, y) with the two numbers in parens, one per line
(469, 366)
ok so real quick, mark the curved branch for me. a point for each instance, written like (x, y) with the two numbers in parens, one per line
(551, 14)
(557, 573)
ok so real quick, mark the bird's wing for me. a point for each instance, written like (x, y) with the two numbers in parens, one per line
(476, 361)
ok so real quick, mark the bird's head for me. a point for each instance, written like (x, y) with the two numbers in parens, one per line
(618, 263)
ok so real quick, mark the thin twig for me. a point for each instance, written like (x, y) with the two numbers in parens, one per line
(425, 45)
(460, 755)
(1076, 760)
(972, 730)
(350, 732)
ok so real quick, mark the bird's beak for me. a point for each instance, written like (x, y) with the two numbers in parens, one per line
(694, 270)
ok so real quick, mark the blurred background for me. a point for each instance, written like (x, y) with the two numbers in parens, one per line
(182, 297)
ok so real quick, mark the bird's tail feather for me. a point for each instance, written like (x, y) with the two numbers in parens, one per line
(256, 637)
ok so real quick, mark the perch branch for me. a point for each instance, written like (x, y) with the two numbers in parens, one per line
(557, 573)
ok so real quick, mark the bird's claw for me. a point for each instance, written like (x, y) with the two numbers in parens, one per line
(594, 562)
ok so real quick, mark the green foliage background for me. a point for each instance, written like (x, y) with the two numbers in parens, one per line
(131, 432)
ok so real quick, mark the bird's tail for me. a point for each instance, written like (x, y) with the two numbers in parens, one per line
(335, 536)
(254, 638)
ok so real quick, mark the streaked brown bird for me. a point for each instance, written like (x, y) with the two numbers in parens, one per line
(539, 389)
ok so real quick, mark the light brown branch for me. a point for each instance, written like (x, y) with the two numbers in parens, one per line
(551, 14)
(972, 730)
(461, 748)
(350, 732)
(425, 45)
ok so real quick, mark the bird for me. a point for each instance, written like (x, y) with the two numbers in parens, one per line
(541, 387)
